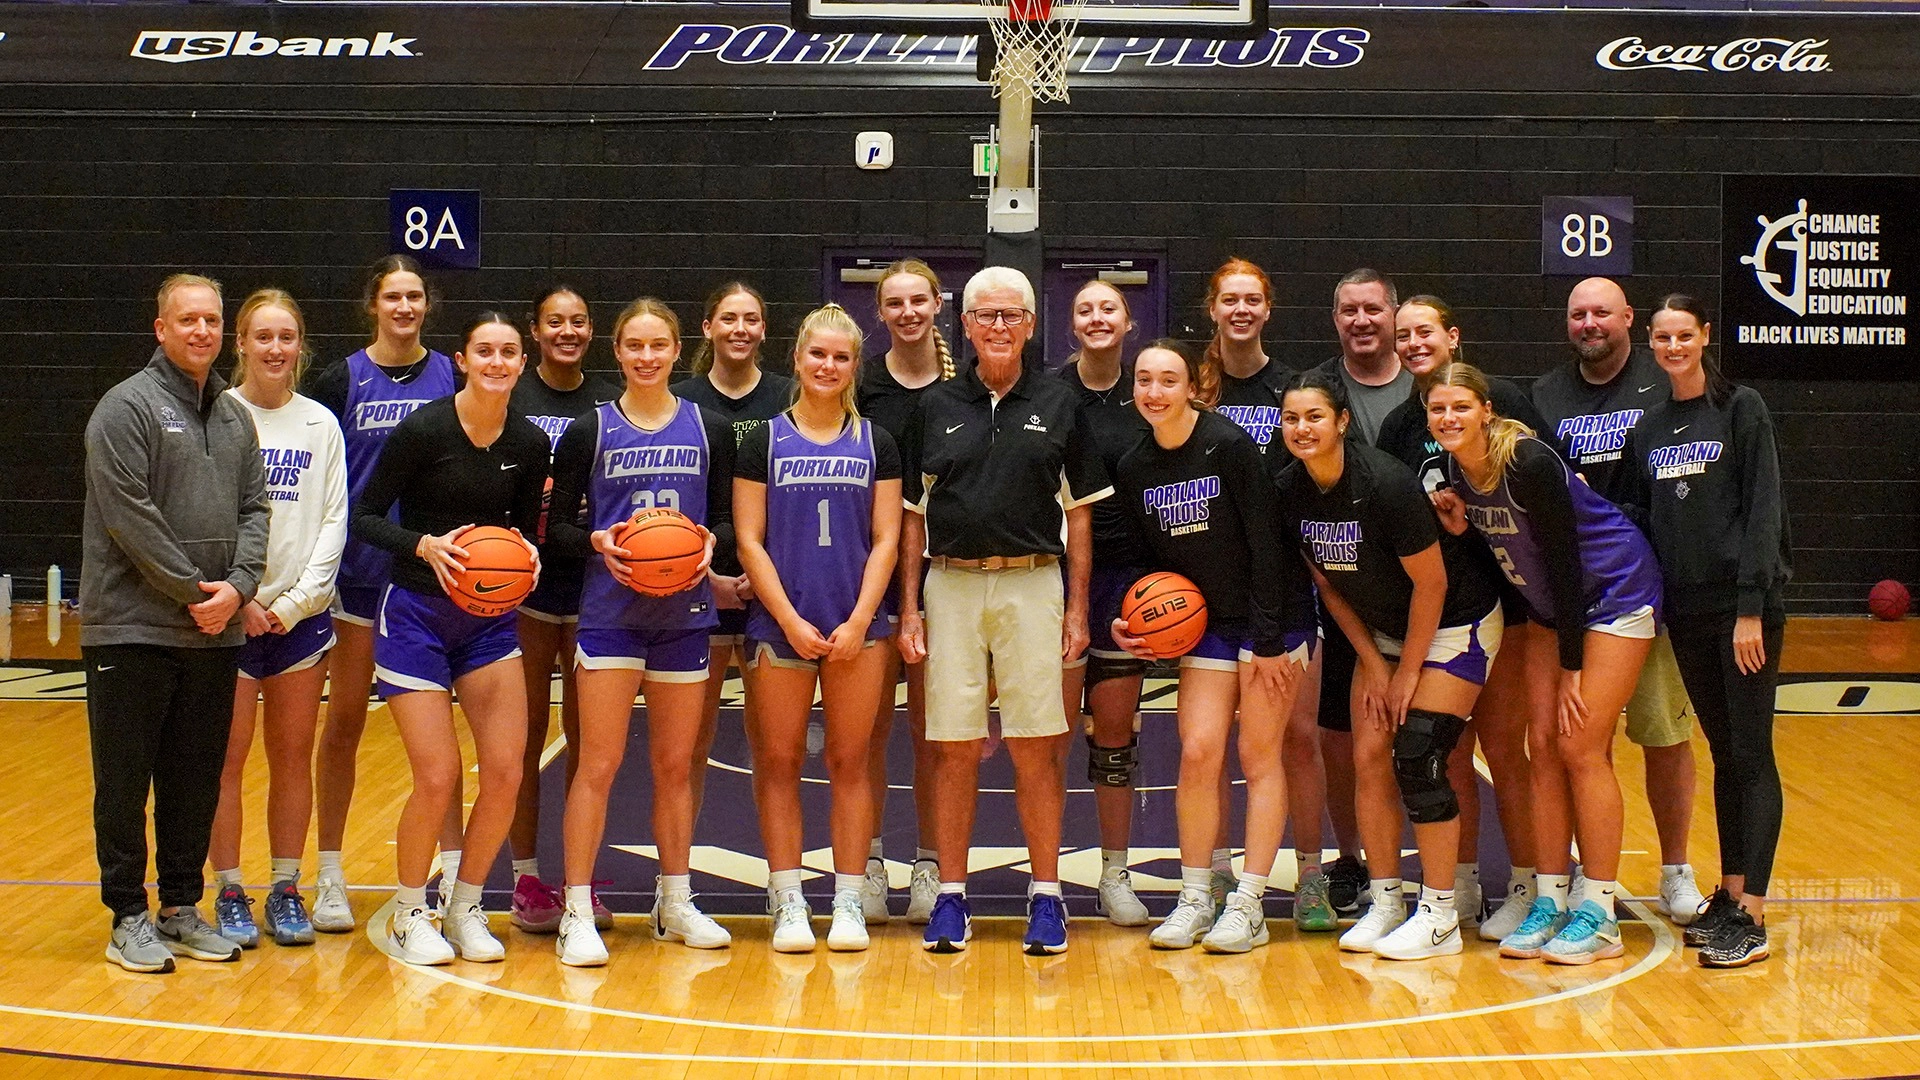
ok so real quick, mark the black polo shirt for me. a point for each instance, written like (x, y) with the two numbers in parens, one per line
(990, 476)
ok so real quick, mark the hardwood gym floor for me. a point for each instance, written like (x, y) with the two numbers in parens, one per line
(1841, 998)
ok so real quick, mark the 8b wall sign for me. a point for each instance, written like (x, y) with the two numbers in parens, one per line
(1817, 275)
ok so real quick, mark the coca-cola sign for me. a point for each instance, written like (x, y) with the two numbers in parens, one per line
(1739, 54)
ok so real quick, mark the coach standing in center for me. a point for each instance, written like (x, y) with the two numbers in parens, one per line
(985, 458)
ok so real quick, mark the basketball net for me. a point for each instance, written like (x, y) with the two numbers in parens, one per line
(1032, 41)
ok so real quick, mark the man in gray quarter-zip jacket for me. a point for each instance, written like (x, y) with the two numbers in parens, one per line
(174, 541)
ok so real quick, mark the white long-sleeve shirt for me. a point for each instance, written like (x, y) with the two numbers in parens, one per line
(305, 459)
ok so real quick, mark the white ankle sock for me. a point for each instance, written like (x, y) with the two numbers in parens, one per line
(1523, 880)
(407, 899)
(1197, 878)
(1112, 861)
(1043, 888)
(280, 870)
(1601, 893)
(227, 877)
(1437, 899)
(1252, 886)
(464, 893)
(1306, 863)
(676, 886)
(783, 886)
(1466, 873)
(1668, 870)
(580, 899)
(330, 865)
(844, 884)
(875, 850)
(525, 868)
(1385, 891)
(953, 888)
(1555, 887)
(449, 866)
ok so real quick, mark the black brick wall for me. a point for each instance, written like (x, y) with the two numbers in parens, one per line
(98, 201)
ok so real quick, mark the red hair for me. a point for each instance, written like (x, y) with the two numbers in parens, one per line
(1212, 365)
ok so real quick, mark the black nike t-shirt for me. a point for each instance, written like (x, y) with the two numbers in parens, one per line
(1357, 532)
(746, 413)
(1117, 427)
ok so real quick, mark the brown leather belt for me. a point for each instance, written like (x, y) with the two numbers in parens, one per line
(996, 562)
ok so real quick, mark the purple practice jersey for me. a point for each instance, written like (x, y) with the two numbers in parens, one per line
(1618, 573)
(819, 524)
(375, 406)
(635, 469)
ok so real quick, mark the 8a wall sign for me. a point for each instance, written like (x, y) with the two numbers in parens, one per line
(1817, 277)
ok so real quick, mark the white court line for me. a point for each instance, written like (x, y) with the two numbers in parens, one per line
(978, 1065)
(1663, 948)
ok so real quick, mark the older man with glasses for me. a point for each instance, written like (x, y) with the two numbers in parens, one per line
(993, 460)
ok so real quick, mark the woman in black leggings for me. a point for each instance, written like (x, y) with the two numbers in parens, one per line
(1710, 480)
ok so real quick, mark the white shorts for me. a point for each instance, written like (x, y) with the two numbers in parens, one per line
(1464, 651)
(1637, 623)
(1002, 625)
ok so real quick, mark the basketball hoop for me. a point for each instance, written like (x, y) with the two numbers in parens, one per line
(1032, 41)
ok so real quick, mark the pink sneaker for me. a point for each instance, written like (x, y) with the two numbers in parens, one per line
(536, 906)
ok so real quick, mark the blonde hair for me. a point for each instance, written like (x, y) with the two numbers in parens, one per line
(1503, 433)
(920, 270)
(176, 282)
(250, 307)
(1125, 308)
(832, 319)
(647, 305)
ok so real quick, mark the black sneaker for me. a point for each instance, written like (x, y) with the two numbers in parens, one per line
(1346, 885)
(1720, 907)
(1738, 943)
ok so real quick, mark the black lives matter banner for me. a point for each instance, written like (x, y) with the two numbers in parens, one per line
(1819, 275)
(1691, 56)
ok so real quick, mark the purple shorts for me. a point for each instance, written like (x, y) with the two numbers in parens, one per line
(1226, 652)
(1465, 652)
(357, 605)
(302, 646)
(679, 656)
(425, 643)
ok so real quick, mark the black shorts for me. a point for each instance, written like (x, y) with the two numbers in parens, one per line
(1337, 662)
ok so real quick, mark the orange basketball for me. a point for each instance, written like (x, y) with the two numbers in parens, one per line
(666, 549)
(1167, 611)
(499, 571)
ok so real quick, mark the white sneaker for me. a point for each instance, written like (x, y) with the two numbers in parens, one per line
(1379, 921)
(1432, 931)
(1509, 915)
(1680, 898)
(1242, 927)
(849, 930)
(1190, 920)
(1117, 900)
(578, 942)
(923, 888)
(331, 912)
(416, 940)
(467, 931)
(793, 927)
(873, 894)
(679, 920)
(1468, 901)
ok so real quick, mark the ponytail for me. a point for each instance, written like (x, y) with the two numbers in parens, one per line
(703, 355)
(1718, 388)
(1503, 432)
(946, 353)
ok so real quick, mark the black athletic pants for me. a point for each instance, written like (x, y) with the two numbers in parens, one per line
(159, 718)
(1736, 712)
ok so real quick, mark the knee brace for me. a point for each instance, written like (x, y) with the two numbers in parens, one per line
(1420, 750)
(1112, 766)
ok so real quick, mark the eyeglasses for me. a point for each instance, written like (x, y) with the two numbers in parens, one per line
(1009, 317)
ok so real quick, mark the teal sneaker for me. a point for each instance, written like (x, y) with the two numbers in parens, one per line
(1591, 934)
(1542, 924)
(1313, 905)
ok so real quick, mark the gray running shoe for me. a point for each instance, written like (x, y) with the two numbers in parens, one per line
(135, 945)
(185, 933)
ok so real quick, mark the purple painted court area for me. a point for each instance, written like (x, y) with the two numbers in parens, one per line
(729, 822)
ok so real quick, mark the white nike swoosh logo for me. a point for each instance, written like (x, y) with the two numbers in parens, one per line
(311, 423)
(783, 438)
(1681, 428)
(1644, 389)
(365, 381)
(504, 466)
(106, 667)
(956, 427)
(1356, 502)
(1211, 449)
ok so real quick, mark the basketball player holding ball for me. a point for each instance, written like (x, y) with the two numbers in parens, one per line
(370, 391)
(1202, 499)
(816, 498)
(458, 462)
(1425, 628)
(646, 451)
(554, 394)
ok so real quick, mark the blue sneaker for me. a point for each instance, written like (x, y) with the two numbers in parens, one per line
(1046, 925)
(1543, 923)
(287, 918)
(233, 910)
(951, 924)
(1591, 934)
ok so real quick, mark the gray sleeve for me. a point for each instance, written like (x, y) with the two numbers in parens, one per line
(118, 463)
(250, 547)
